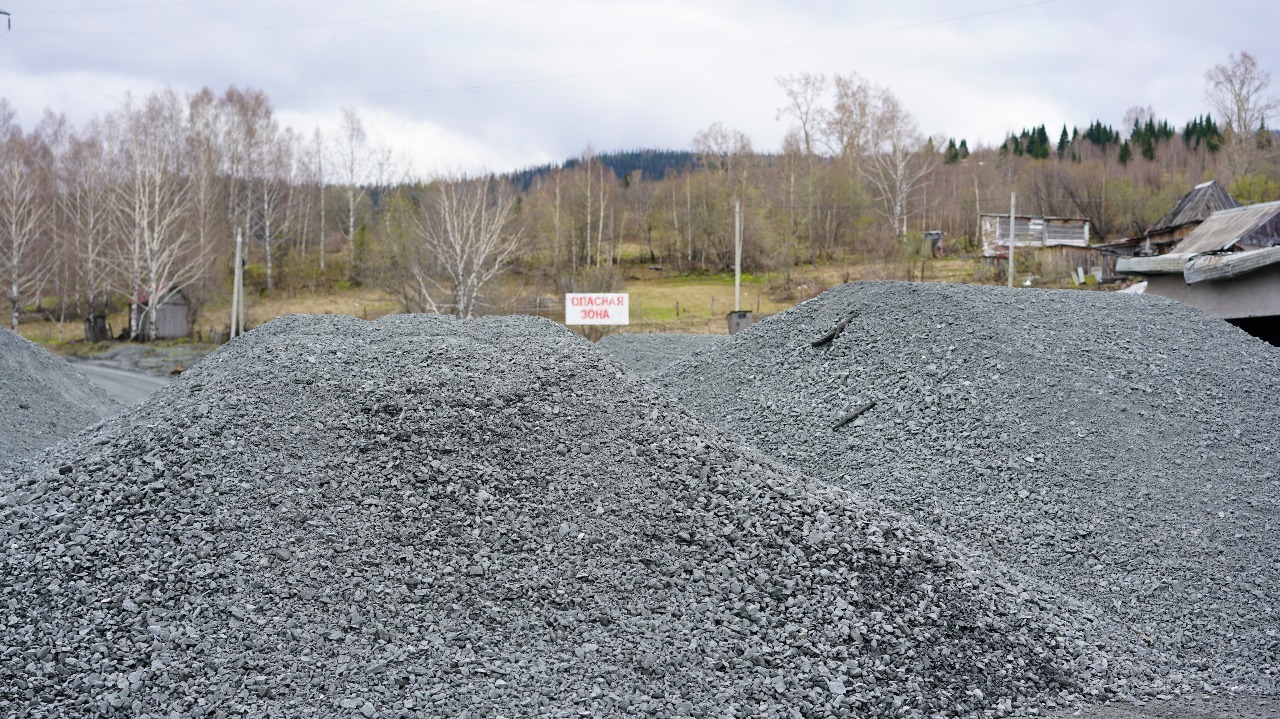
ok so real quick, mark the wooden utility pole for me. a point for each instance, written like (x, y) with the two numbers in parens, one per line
(737, 255)
(1013, 235)
(236, 285)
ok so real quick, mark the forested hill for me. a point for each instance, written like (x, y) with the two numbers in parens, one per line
(650, 164)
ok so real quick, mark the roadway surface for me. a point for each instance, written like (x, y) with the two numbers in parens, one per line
(127, 386)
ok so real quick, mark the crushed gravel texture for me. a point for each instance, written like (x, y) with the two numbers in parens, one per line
(43, 398)
(646, 353)
(1120, 446)
(423, 517)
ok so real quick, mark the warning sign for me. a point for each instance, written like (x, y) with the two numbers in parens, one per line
(596, 308)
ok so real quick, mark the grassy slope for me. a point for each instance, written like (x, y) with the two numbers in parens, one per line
(654, 300)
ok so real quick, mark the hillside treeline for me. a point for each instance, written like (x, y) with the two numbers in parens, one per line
(152, 195)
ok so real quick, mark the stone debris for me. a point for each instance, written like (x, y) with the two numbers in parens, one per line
(43, 398)
(424, 517)
(1122, 447)
(646, 353)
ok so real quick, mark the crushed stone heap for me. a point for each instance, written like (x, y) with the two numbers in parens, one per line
(646, 353)
(1120, 446)
(43, 398)
(424, 517)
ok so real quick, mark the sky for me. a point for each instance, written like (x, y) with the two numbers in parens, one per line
(491, 85)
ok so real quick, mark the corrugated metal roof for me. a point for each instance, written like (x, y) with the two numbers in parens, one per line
(1195, 206)
(1156, 265)
(1224, 267)
(1254, 224)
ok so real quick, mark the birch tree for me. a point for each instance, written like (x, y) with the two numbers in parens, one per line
(156, 194)
(86, 206)
(804, 95)
(24, 211)
(465, 238)
(1238, 92)
(351, 157)
(897, 161)
(206, 127)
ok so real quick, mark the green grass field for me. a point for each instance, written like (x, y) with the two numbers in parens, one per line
(695, 303)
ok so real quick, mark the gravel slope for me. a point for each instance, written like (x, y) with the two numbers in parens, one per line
(43, 398)
(421, 517)
(646, 353)
(1120, 446)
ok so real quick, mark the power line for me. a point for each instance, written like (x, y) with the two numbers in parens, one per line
(116, 8)
(275, 28)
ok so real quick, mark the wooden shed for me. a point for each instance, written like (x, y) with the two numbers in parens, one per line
(1194, 208)
(172, 312)
(1058, 245)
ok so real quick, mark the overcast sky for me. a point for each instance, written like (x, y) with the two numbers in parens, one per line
(496, 85)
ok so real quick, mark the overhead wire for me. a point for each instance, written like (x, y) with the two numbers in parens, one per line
(279, 27)
(114, 8)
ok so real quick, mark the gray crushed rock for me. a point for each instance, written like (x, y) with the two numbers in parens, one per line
(646, 353)
(43, 399)
(423, 517)
(1122, 447)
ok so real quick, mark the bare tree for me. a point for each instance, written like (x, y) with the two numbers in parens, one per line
(897, 160)
(274, 184)
(726, 151)
(208, 184)
(1137, 116)
(847, 124)
(160, 254)
(86, 206)
(464, 239)
(351, 155)
(1237, 91)
(25, 210)
(804, 94)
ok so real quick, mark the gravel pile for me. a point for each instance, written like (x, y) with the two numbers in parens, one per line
(1121, 446)
(42, 399)
(647, 353)
(421, 517)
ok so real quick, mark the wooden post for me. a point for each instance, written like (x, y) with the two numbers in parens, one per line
(737, 255)
(235, 292)
(1013, 234)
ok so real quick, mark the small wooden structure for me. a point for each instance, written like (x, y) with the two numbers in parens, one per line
(1058, 245)
(1228, 266)
(172, 313)
(96, 329)
(1194, 208)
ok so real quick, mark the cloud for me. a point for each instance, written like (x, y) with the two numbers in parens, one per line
(503, 84)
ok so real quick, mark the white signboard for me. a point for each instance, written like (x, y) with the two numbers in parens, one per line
(596, 308)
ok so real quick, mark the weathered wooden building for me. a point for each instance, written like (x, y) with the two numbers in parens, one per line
(172, 313)
(1057, 246)
(1194, 208)
(1228, 266)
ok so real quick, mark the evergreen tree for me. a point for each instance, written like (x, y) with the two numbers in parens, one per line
(952, 154)
(1039, 147)
(1063, 142)
(964, 150)
(1202, 131)
(1126, 153)
(1101, 135)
